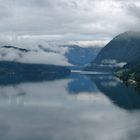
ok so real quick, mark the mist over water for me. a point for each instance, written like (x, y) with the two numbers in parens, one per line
(77, 107)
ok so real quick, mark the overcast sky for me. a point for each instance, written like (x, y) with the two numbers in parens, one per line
(69, 19)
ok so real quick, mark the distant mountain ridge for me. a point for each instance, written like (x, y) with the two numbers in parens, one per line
(16, 48)
(74, 54)
(77, 55)
(14, 70)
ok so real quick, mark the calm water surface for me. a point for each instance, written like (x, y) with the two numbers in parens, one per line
(79, 107)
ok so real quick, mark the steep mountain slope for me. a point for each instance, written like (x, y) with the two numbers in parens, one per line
(81, 56)
(123, 48)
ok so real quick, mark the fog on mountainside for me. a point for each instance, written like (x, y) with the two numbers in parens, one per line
(40, 51)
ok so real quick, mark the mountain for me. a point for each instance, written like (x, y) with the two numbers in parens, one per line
(18, 65)
(75, 54)
(123, 49)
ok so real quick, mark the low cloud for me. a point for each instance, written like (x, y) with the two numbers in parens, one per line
(52, 55)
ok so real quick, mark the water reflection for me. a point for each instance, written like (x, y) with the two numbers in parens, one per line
(123, 96)
(12, 79)
(81, 83)
(75, 108)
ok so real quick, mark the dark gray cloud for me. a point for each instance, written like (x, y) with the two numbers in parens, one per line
(134, 10)
(70, 19)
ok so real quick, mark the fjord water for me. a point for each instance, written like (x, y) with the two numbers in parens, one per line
(78, 107)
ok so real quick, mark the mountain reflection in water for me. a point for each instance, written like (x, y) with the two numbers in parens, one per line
(120, 94)
(80, 107)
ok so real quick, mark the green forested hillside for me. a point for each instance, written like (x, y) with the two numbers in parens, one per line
(130, 73)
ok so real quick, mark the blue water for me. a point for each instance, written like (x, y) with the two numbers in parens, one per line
(78, 107)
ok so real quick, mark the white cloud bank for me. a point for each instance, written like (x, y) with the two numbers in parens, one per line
(41, 50)
(53, 54)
